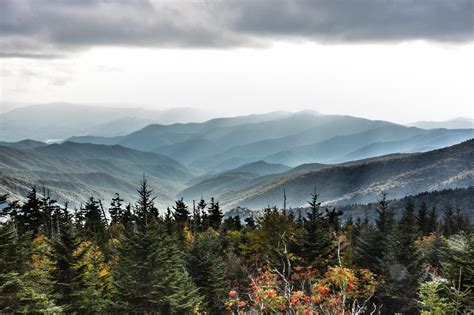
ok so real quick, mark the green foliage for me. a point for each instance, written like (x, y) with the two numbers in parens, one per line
(207, 269)
(432, 303)
(150, 274)
(182, 263)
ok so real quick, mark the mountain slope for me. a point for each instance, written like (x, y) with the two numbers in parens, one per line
(358, 146)
(23, 144)
(75, 171)
(440, 169)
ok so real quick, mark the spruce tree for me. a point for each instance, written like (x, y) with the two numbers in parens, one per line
(449, 224)
(145, 209)
(404, 268)
(94, 224)
(116, 210)
(150, 274)
(315, 239)
(215, 215)
(94, 287)
(66, 276)
(422, 219)
(181, 212)
(30, 218)
(208, 271)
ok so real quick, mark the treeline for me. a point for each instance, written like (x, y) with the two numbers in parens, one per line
(130, 258)
(457, 198)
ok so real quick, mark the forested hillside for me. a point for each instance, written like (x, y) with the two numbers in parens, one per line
(355, 182)
(280, 137)
(190, 260)
(74, 171)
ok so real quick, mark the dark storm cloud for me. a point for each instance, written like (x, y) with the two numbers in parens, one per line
(34, 28)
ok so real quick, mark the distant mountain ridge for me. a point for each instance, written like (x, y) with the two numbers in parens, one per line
(285, 138)
(449, 167)
(455, 123)
(59, 121)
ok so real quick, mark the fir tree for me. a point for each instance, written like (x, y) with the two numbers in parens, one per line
(66, 275)
(315, 241)
(116, 210)
(404, 268)
(181, 213)
(94, 280)
(215, 215)
(30, 218)
(422, 220)
(208, 271)
(94, 224)
(145, 209)
(150, 275)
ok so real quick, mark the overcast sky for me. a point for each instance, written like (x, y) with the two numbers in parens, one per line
(400, 60)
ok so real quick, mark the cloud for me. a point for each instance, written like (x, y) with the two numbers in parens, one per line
(53, 28)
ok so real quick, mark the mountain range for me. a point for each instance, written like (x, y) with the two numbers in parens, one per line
(74, 171)
(283, 138)
(357, 182)
(59, 121)
(241, 161)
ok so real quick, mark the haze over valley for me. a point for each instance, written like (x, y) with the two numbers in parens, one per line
(242, 161)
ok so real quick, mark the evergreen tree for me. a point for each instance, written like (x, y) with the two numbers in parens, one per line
(30, 218)
(181, 213)
(201, 208)
(423, 221)
(458, 268)
(315, 239)
(232, 224)
(145, 209)
(433, 220)
(150, 275)
(66, 275)
(215, 215)
(385, 219)
(208, 271)
(404, 268)
(94, 280)
(116, 211)
(368, 250)
(94, 224)
(449, 224)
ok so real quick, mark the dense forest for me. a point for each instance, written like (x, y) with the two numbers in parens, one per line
(125, 257)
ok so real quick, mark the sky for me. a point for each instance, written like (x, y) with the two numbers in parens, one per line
(398, 60)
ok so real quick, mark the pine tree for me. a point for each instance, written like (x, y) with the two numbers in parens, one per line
(94, 280)
(458, 268)
(433, 220)
(116, 211)
(422, 220)
(404, 268)
(201, 208)
(385, 219)
(181, 214)
(150, 275)
(94, 224)
(215, 215)
(208, 271)
(66, 276)
(30, 218)
(315, 239)
(449, 224)
(145, 209)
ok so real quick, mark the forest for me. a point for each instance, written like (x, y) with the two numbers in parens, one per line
(130, 257)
